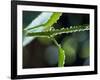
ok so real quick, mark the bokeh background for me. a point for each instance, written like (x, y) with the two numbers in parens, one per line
(42, 52)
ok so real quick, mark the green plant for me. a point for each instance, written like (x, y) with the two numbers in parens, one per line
(50, 32)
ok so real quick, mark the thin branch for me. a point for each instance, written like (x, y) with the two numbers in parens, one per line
(59, 31)
(53, 39)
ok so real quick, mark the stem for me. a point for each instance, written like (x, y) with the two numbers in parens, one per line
(59, 31)
(61, 53)
(54, 40)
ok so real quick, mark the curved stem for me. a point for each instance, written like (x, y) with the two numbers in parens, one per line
(54, 40)
(61, 53)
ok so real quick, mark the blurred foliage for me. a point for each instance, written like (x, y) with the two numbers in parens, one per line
(70, 47)
(51, 55)
(85, 50)
(44, 40)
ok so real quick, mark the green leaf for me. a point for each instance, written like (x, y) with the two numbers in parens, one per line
(61, 57)
(43, 22)
(53, 19)
(50, 21)
(42, 18)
